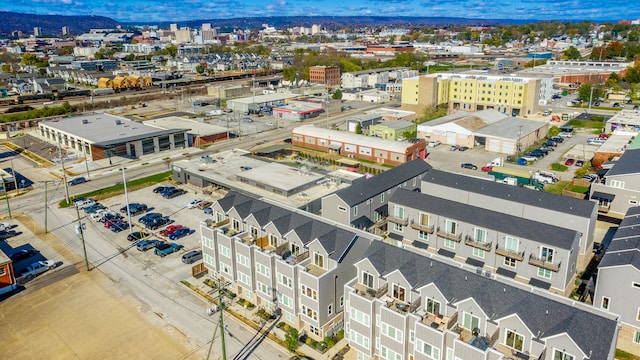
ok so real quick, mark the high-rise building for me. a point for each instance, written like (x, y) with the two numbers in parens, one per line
(183, 36)
(173, 27)
(37, 31)
(65, 30)
(206, 26)
(315, 29)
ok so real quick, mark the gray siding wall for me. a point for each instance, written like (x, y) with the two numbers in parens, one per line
(584, 225)
(566, 258)
(616, 283)
(331, 209)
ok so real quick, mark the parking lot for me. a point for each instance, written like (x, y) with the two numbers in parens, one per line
(176, 209)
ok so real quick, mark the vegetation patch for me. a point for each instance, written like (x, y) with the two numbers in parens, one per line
(558, 167)
(623, 355)
(557, 187)
(118, 189)
(579, 189)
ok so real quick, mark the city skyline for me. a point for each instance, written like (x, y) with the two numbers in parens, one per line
(148, 11)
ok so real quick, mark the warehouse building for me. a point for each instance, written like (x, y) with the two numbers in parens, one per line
(200, 133)
(101, 136)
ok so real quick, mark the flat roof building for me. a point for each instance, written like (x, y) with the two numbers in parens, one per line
(200, 133)
(101, 136)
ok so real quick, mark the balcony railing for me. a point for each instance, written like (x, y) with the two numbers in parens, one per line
(423, 228)
(539, 262)
(399, 221)
(516, 255)
(450, 236)
(468, 240)
(370, 293)
(210, 223)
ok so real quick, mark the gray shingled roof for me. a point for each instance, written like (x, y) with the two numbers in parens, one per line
(488, 219)
(363, 190)
(629, 163)
(543, 316)
(624, 248)
(514, 193)
(334, 240)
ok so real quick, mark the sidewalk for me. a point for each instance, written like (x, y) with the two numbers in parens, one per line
(251, 318)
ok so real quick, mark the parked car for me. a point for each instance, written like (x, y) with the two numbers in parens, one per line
(149, 217)
(269, 123)
(85, 203)
(77, 200)
(93, 208)
(433, 143)
(76, 181)
(134, 208)
(487, 168)
(38, 268)
(119, 226)
(528, 158)
(565, 134)
(7, 234)
(158, 223)
(110, 216)
(469, 166)
(23, 254)
(453, 148)
(147, 244)
(569, 162)
(174, 193)
(164, 249)
(208, 211)
(5, 226)
(165, 189)
(205, 204)
(137, 235)
(179, 233)
(170, 230)
(550, 143)
(463, 148)
(159, 189)
(287, 140)
(194, 203)
(590, 177)
(192, 256)
(580, 163)
(557, 139)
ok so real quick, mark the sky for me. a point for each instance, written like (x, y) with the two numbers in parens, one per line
(146, 11)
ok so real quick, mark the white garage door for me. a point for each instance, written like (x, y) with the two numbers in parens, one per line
(451, 138)
(508, 148)
(494, 145)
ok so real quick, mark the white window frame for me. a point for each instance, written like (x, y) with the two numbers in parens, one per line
(398, 227)
(359, 339)
(398, 212)
(285, 281)
(468, 316)
(427, 349)
(309, 292)
(392, 332)
(516, 335)
(563, 355)
(285, 300)
(224, 251)
(451, 227)
(264, 288)
(263, 270)
(319, 258)
(359, 317)
(243, 278)
(395, 288)
(242, 260)
(330, 309)
(448, 243)
(636, 337)
(606, 303)
(544, 273)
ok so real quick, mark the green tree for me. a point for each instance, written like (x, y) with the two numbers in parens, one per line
(633, 74)
(28, 59)
(358, 129)
(572, 53)
(7, 68)
(291, 339)
(337, 95)
(200, 68)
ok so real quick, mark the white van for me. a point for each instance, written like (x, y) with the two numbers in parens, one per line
(85, 203)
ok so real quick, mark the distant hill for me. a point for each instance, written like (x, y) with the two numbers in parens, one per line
(336, 22)
(52, 24)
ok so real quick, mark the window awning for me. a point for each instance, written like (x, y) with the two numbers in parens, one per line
(474, 262)
(395, 236)
(420, 244)
(540, 284)
(335, 146)
(601, 195)
(447, 253)
(505, 272)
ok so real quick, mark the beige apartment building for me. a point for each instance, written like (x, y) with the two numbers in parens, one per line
(513, 95)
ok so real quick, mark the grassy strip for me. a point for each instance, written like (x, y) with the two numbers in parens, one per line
(42, 161)
(623, 355)
(118, 189)
(558, 167)
(557, 187)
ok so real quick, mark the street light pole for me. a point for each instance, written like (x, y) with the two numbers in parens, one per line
(80, 230)
(15, 179)
(6, 195)
(126, 197)
(64, 171)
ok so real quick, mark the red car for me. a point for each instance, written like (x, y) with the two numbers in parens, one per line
(487, 168)
(170, 230)
(569, 162)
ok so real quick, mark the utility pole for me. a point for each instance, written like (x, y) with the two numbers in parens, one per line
(6, 195)
(13, 173)
(64, 171)
(80, 230)
(126, 197)
(86, 163)
(590, 99)
(219, 288)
